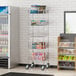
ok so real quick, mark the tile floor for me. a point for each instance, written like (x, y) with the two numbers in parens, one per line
(50, 71)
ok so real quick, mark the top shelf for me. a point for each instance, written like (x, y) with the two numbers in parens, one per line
(38, 9)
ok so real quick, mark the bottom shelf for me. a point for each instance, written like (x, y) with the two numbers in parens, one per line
(3, 62)
(66, 65)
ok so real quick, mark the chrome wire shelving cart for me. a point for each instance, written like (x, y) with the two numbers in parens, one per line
(39, 36)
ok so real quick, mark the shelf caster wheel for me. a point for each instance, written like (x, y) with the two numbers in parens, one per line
(32, 65)
(27, 66)
(43, 67)
(47, 66)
